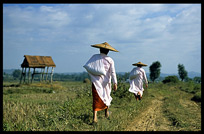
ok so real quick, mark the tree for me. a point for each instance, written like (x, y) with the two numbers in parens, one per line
(187, 79)
(197, 79)
(126, 75)
(16, 73)
(182, 72)
(154, 70)
(168, 79)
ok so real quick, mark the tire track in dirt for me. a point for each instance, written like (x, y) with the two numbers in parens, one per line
(152, 119)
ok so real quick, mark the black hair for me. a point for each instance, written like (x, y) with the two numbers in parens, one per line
(139, 65)
(103, 50)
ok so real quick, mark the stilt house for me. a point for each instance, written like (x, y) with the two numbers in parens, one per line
(37, 62)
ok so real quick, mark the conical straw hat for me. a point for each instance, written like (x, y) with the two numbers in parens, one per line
(139, 63)
(105, 45)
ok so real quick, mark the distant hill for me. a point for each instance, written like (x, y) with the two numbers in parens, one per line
(8, 71)
(190, 74)
(194, 74)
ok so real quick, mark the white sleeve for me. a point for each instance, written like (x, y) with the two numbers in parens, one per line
(144, 77)
(113, 73)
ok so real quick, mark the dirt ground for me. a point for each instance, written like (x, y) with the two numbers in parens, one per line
(152, 119)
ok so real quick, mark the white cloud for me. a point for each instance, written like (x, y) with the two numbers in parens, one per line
(146, 32)
(47, 9)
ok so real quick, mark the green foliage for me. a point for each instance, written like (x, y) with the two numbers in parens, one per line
(197, 79)
(187, 79)
(155, 70)
(70, 77)
(122, 91)
(190, 87)
(172, 79)
(126, 75)
(182, 72)
(16, 73)
(197, 97)
(86, 80)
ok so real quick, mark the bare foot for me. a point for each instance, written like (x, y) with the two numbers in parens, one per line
(139, 96)
(95, 121)
(106, 113)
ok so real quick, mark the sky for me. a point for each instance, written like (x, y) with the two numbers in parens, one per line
(168, 33)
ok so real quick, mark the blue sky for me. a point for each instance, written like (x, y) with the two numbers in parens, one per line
(168, 33)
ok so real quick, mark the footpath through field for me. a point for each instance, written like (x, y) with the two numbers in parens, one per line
(153, 117)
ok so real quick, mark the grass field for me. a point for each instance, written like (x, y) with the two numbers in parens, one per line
(67, 106)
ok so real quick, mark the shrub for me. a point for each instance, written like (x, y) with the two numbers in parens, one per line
(173, 79)
(122, 91)
(16, 74)
(197, 97)
(86, 80)
(197, 79)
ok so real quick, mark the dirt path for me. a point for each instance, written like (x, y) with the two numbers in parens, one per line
(152, 119)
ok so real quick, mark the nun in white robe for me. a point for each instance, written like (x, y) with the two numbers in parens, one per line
(101, 84)
(137, 77)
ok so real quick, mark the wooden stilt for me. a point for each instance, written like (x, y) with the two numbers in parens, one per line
(47, 73)
(28, 74)
(43, 74)
(52, 73)
(21, 75)
(33, 75)
(25, 75)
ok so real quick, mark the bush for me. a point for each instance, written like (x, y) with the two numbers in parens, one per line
(16, 73)
(86, 80)
(122, 91)
(197, 88)
(173, 79)
(197, 97)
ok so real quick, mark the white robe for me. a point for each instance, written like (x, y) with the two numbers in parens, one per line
(103, 83)
(136, 85)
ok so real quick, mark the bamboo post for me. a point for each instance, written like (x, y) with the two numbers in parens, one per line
(28, 74)
(47, 73)
(33, 75)
(43, 74)
(25, 75)
(52, 73)
(21, 75)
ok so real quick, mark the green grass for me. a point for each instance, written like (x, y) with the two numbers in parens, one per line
(67, 106)
(179, 108)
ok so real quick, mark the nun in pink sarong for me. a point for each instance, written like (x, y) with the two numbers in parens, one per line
(137, 77)
(101, 77)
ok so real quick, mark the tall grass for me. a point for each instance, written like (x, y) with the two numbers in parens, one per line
(67, 106)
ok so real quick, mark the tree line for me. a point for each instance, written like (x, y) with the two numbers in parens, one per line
(154, 69)
(183, 74)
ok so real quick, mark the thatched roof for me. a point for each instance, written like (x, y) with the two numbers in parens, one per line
(38, 61)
